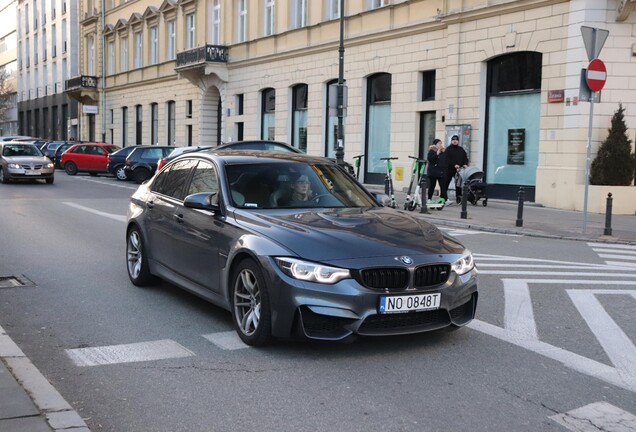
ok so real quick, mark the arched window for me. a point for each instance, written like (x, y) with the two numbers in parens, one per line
(299, 116)
(268, 114)
(378, 126)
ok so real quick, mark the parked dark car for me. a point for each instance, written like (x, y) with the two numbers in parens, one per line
(226, 226)
(49, 148)
(142, 162)
(87, 157)
(117, 162)
(57, 155)
(24, 161)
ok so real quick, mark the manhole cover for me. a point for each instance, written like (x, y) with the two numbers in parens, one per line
(15, 281)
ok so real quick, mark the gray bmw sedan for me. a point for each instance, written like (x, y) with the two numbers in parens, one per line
(293, 246)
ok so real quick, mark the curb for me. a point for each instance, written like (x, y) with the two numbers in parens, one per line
(58, 413)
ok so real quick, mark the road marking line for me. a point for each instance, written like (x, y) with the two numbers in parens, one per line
(97, 212)
(625, 265)
(539, 273)
(621, 257)
(574, 361)
(128, 353)
(595, 417)
(618, 346)
(566, 267)
(518, 314)
(226, 340)
(503, 258)
(612, 246)
(124, 186)
(622, 252)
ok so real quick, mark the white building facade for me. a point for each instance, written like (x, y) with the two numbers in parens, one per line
(9, 65)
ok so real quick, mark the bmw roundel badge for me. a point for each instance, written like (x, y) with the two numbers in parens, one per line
(406, 260)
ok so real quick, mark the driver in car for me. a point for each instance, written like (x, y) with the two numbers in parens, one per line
(299, 190)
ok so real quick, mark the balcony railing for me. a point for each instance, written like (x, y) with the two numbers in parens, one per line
(204, 54)
(81, 82)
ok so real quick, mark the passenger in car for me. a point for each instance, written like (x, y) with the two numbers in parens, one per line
(299, 189)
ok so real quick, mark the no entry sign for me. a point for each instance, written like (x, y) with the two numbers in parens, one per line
(596, 75)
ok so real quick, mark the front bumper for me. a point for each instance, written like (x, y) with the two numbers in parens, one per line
(29, 173)
(335, 312)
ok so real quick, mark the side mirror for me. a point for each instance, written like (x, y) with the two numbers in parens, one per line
(203, 201)
(383, 199)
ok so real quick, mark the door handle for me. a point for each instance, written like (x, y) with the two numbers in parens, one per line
(178, 218)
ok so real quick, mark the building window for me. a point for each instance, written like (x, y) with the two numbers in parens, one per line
(269, 17)
(91, 55)
(239, 131)
(216, 22)
(299, 13)
(239, 104)
(138, 125)
(374, 4)
(124, 126)
(53, 41)
(242, 21)
(378, 125)
(64, 43)
(123, 55)
(428, 85)
(138, 49)
(154, 46)
(111, 57)
(171, 123)
(35, 14)
(44, 48)
(36, 49)
(333, 9)
(189, 134)
(190, 32)
(172, 44)
(299, 117)
(53, 8)
(154, 123)
(268, 117)
(189, 108)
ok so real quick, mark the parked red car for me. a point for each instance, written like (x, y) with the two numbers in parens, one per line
(87, 157)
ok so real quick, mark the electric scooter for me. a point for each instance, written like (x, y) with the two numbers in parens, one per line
(356, 164)
(413, 201)
(388, 181)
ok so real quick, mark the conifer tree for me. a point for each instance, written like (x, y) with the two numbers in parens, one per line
(615, 163)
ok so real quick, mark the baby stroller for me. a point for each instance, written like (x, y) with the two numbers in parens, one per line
(474, 178)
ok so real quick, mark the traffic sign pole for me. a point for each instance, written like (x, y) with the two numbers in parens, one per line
(588, 162)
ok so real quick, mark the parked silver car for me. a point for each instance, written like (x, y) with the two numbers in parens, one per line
(23, 161)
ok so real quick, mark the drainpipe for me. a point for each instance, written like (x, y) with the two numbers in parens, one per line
(103, 73)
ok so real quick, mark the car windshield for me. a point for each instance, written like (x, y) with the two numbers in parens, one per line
(294, 185)
(21, 150)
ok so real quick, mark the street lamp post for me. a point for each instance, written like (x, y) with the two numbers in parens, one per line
(340, 136)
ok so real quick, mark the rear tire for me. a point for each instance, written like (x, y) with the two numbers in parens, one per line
(251, 312)
(70, 168)
(140, 175)
(137, 259)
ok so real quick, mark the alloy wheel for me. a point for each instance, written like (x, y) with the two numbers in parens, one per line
(134, 254)
(247, 302)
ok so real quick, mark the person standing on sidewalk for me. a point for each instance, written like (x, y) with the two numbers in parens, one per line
(436, 171)
(456, 158)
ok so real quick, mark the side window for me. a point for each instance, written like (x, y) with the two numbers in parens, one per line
(172, 182)
(98, 150)
(151, 153)
(204, 179)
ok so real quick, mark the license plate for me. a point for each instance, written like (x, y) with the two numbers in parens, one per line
(32, 173)
(410, 303)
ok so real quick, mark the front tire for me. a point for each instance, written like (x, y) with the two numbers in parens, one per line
(4, 179)
(120, 173)
(70, 168)
(137, 260)
(251, 312)
(141, 175)
(49, 180)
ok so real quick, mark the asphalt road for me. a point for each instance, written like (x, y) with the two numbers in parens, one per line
(555, 332)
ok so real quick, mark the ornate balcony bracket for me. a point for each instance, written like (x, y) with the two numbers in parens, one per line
(82, 88)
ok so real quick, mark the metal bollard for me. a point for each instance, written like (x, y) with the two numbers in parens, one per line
(522, 193)
(608, 215)
(464, 213)
(424, 190)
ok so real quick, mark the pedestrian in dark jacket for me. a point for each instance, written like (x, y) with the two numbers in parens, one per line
(437, 169)
(456, 158)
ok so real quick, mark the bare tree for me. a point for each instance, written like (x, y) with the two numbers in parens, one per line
(6, 89)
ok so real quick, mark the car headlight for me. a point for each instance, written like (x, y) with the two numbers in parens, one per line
(311, 272)
(13, 166)
(464, 264)
(50, 165)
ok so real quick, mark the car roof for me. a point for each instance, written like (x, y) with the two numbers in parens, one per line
(233, 144)
(230, 157)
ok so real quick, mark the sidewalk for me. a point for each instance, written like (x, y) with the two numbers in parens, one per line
(501, 216)
(28, 402)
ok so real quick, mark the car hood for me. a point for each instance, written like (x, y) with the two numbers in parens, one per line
(27, 159)
(335, 234)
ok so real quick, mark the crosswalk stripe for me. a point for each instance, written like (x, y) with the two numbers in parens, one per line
(595, 417)
(623, 264)
(621, 257)
(226, 340)
(128, 353)
(618, 346)
(615, 251)
(518, 314)
(612, 246)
